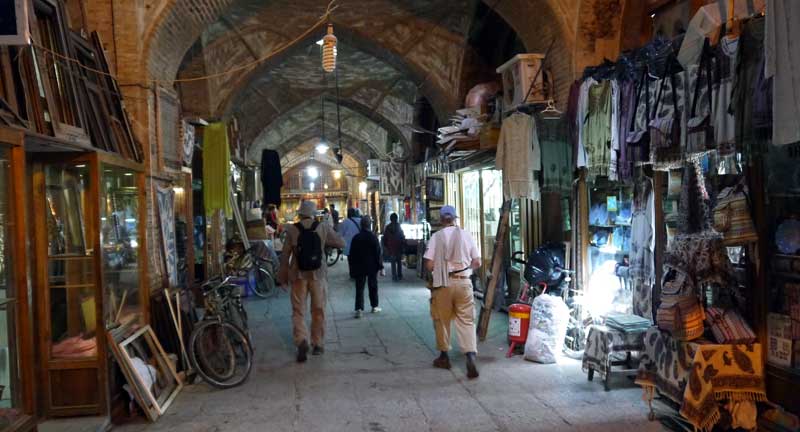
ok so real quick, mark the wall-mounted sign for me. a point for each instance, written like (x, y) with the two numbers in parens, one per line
(14, 22)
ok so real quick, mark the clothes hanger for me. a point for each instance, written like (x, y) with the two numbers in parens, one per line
(551, 112)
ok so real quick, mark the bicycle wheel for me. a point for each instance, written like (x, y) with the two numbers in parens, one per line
(332, 256)
(211, 352)
(265, 283)
(236, 343)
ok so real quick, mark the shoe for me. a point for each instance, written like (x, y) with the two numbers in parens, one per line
(376, 310)
(302, 352)
(472, 369)
(358, 314)
(442, 362)
(317, 350)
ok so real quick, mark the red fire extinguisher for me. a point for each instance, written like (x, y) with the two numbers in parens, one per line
(519, 318)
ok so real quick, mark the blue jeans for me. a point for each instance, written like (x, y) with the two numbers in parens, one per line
(397, 266)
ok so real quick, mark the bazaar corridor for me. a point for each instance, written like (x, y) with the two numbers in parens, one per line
(376, 376)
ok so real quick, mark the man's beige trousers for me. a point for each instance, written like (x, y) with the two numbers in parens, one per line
(301, 289)
(454, 303)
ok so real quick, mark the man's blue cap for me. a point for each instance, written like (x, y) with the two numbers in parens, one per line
(448, 210)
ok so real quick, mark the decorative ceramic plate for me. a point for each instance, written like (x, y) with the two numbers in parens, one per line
(787, 237)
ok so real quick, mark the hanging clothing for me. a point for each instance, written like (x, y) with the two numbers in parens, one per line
(724, 121)
(627, 98)
(571, 117)
(782, 52)
(582, 113)
(596, 134)
(271, 177)
(217, 169)
(750, 138)
(613, 174)
(556, 155)
(518, 156)
(643, 242)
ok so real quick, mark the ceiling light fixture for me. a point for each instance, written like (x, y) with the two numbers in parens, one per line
(322, 147)
(329, 51)
(312, 171)
(337, 174)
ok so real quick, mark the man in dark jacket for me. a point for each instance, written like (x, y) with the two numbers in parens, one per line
(365, 263)
(394, 241)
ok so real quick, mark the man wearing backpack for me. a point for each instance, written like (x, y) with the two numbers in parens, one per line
(303, 266)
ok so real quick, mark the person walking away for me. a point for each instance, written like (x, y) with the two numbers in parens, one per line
(271, 216)
(335, 217)
(365, 262)
(451, 256)
(349, 228)
(394, 242)
(303, 266)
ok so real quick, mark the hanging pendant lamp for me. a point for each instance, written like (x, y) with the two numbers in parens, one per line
(329, 51)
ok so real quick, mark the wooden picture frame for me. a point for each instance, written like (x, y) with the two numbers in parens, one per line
(144, 343)
(434, 189)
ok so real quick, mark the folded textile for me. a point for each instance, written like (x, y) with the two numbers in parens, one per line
(627, 323)
(681, 316)
(729, 327)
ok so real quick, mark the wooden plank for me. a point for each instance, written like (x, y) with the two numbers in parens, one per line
(497, 269)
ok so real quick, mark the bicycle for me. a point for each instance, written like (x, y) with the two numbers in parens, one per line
(263, 268)
(219, 346)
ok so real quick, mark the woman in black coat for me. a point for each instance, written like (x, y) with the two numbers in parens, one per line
(365, 263)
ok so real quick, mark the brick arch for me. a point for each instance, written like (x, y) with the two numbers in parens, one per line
(367, 114)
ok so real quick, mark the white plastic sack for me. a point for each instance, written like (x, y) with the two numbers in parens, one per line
(548, 328)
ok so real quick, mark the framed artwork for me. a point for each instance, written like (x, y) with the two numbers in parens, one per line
(434, 189)
(151, 376)
(434, 217)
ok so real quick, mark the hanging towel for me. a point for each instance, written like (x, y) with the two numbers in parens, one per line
(216, 169)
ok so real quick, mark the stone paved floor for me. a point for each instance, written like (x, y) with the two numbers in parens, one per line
(376, 377)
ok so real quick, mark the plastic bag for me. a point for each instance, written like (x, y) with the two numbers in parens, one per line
(548, 328)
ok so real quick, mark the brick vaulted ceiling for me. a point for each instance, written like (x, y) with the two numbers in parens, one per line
(390, 52)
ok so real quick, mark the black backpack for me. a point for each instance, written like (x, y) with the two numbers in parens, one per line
(309, 248)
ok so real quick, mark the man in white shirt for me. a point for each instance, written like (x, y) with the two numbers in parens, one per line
(451, 256)
(349, 227)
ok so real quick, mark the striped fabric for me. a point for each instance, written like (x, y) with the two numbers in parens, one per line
(729, 327)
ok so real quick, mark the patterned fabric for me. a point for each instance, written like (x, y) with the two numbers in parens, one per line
(642, 269)
(603, 341)
(698, 375)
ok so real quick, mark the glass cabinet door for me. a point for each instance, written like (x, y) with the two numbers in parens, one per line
(71, 276)
(119, 239)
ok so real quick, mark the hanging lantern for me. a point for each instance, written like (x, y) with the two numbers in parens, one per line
(329, 51)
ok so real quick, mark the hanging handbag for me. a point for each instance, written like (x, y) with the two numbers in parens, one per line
(665, 131)
(639, 139)
(732, 216)
(700, 130)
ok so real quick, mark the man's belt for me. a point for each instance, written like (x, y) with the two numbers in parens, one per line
(455, 274)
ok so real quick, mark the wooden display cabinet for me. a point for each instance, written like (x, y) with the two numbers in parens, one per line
(17, 402)
(87, 272)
